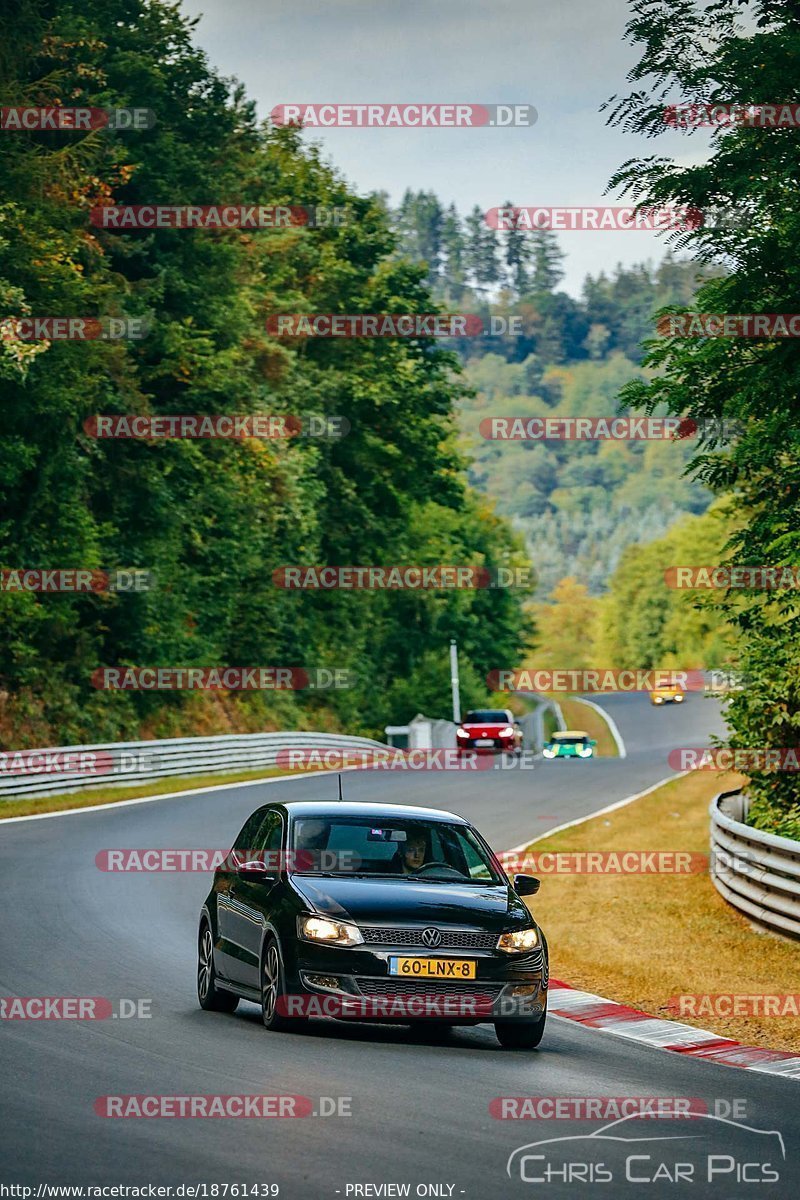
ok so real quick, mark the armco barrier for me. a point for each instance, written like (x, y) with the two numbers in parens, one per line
(122, 763)
(757, 872)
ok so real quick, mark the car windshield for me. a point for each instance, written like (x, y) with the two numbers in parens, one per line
(569, 741)
(486, 716)
(433, 851)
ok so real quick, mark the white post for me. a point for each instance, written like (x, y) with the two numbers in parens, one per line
(454, 681)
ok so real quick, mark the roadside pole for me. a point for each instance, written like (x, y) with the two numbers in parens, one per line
(454, 681)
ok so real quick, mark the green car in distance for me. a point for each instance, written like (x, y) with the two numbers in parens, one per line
(569, 743)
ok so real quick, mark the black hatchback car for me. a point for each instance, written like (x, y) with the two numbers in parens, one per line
(372, 912)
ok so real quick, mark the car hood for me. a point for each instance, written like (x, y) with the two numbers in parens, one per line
(386, 901)
(486, 730)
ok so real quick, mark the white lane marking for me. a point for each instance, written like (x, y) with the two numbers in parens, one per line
(112, 805)
(609, 720)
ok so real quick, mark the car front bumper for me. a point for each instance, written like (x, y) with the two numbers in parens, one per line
(505, 987)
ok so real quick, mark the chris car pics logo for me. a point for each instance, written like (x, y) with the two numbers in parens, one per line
(711, 1151)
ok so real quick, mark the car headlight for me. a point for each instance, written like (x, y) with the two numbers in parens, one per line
(333, 933)
(507, 732)
(585, 751)
(519, 941)
(462, 733)
(548, 752)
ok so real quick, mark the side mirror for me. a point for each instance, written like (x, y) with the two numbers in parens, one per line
(526, 885)
(592, 742)
(255, 872)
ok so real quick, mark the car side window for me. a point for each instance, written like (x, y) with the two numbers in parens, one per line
(270, 834)
(247, 834)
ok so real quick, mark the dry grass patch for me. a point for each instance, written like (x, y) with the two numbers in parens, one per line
(643, 939)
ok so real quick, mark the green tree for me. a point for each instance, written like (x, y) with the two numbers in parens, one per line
(740, 53)
(212, 519)
(481, 252)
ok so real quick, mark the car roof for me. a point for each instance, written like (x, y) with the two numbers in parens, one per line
(355, 808)
(570, 733)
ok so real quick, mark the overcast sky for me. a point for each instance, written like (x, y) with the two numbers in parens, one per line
(565, 58)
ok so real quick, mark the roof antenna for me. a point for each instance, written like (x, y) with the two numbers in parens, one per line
(340, 787)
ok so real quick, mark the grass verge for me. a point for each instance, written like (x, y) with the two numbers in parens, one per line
(643, 939)
(582, 716)
(88, 797)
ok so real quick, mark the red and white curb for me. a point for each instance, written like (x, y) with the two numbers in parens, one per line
(607, 1015)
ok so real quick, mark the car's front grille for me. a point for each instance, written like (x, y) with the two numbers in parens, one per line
(426, 987)
(452, 939)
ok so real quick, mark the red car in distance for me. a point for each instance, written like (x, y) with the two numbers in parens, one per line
(487, 730)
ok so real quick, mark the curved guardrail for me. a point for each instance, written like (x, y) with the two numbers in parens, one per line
(757, 872)
(32, 773)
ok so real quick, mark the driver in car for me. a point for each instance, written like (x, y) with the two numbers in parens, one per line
(412, 852)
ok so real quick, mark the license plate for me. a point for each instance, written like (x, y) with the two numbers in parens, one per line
(484, 741)
(432, 968)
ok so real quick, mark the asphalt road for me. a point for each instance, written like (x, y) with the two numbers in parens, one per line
(420, 1108)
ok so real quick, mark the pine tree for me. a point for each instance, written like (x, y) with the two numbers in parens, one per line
(482, 255)
(518, 255)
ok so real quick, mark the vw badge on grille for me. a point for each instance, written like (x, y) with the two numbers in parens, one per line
(431, 938)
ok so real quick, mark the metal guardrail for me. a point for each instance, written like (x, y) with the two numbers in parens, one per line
(32, 773)
(757, 872)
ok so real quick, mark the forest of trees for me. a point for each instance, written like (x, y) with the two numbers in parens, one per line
(477, 268)
(577, 505)
(213, 519)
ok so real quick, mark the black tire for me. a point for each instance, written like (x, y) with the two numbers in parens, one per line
(520, 1035)
(212, 998)
(273, 990)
